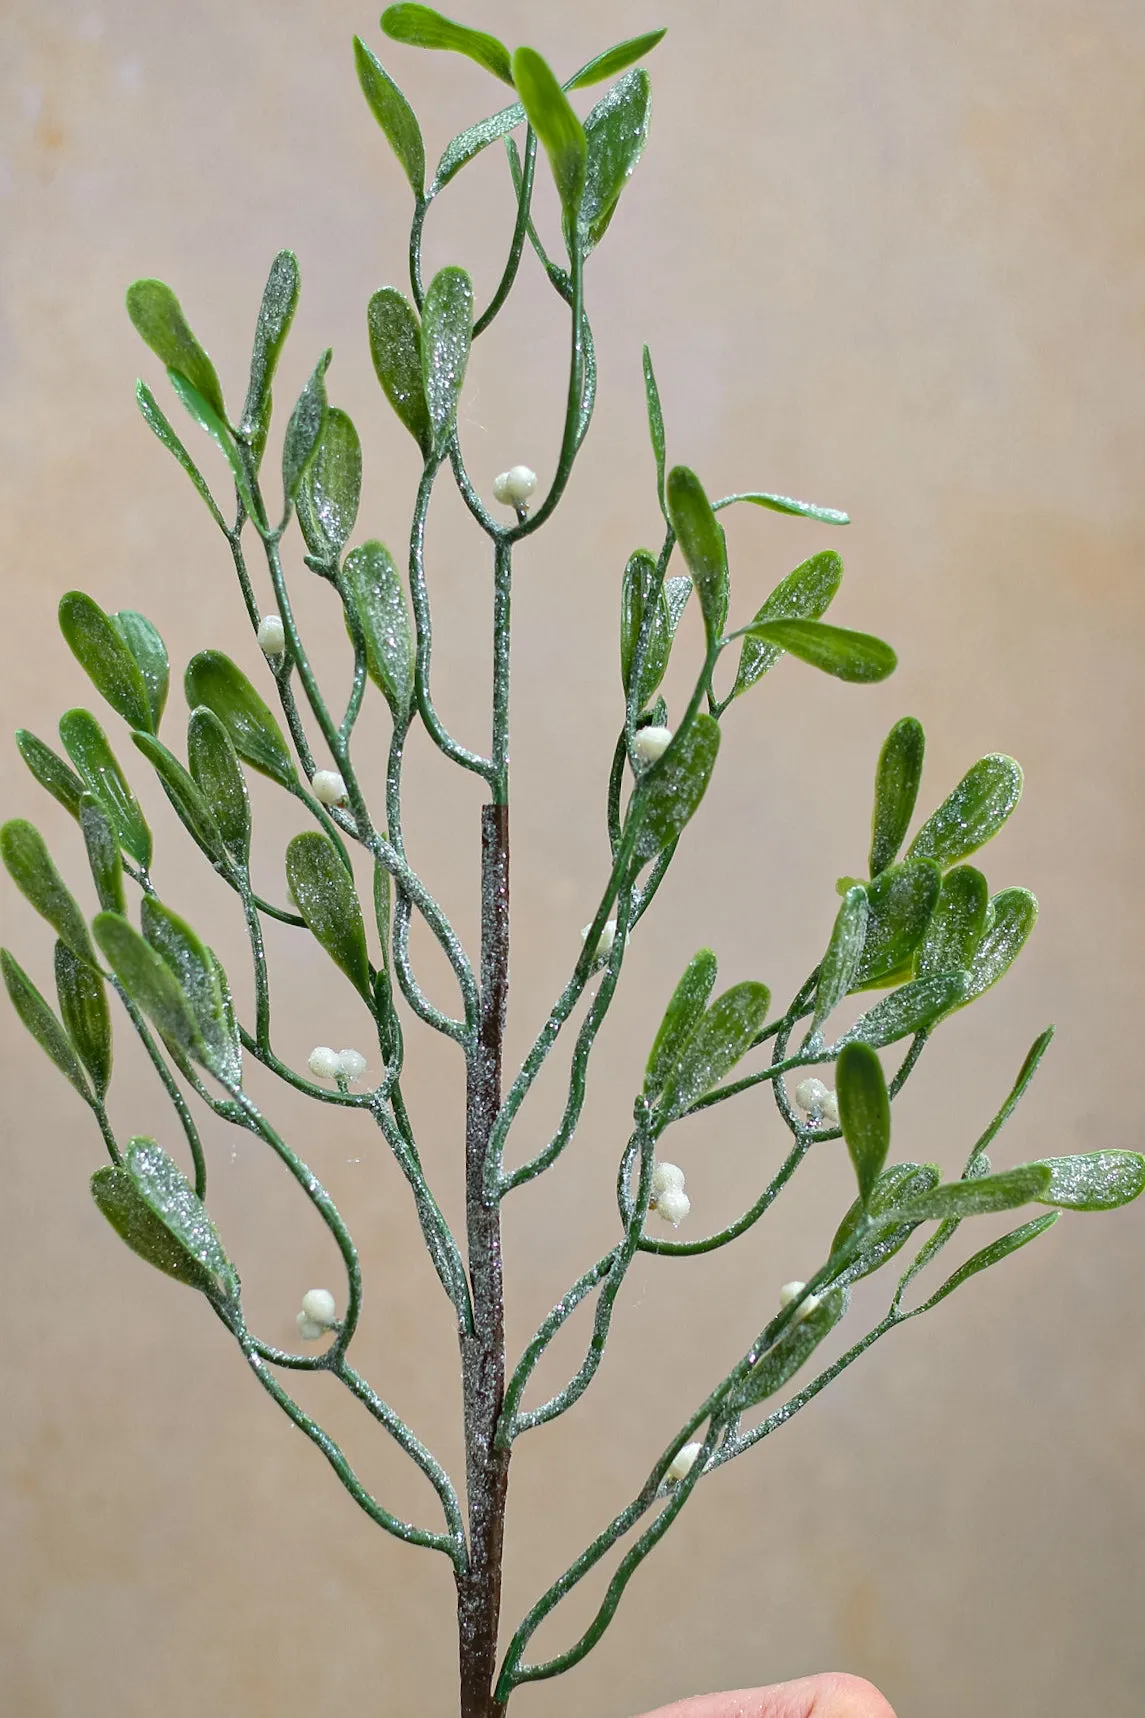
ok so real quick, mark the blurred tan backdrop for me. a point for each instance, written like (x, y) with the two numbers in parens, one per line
(888, 256)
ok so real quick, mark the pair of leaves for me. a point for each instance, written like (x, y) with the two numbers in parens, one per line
(86, 745)
(697, 1043)
(122, 655)
(178, 983)
(804, 594)
(635, 592)
(151, 1205)
(421, 366)
(213, 680)
(211, 797)
(373, 589)
(81, 1039)
(793, 1349)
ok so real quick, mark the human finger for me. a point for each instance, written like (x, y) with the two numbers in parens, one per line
(833, 1695)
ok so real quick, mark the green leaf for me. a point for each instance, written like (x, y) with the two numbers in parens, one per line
(1025, 1074)
(991, 1255)
(957, 924)
(86, 1017)
(1094, 1180)
(42, 1023)
(331, 488)
(681, 1017)
(304, 429)
(655, 427)
(615, 133)
(197, 974)
(558, 128)
(158, 317)
(470, 142)
(395, 347)
(853, 656)
(900, 902)
(153, 1207)
(896, 789)
(219, 778)
(670, 792)
(800, 509)
(276, 313)
(911, 1008)
(394, 114)
(101, 651)
(794, 1348)
(954, 1200)
(639, 581)
(328, 902)
(219, 432)
(86, 745)
(702, 546)
(159, 425)
(725, 1033)
(446, 336)
(184, 793)
(150, 984)
(103, 855)
(214, 680)
(374, 587)
(804, 594)
(975, 811)
(422, 27)
(899, 1182)
(616, 59)
(50, 771)
(30, 867)
(844, 952)
(864, 1113)
(150, 656)
(1009, 922)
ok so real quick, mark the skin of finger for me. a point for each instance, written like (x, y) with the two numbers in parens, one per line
(833, 1695)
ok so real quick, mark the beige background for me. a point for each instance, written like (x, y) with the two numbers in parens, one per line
(888, 256)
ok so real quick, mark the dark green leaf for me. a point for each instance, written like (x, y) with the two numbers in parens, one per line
(1010, 920)
(896, 789)
(900, 901)
(1094, 1180)
(305, 428)
(844, 952)
(219, 778)
(394, 114)
(991, 1255)
(639, 581)
(150, 984)
(374, 587)
(1025, 1074)
(681, 1017)
(101, 651)
(197, 973)
(42, 1023)
(157, 422)
(804, 594)
(446, 336)
(473, 140)
(395, 347)
(864, 1113)
(422, 27)
(30, 867)
(86, 745)
(979, 1197)
(185, 795)
(219, 432)
(670, 792)
(158, 317)
(616, 59)
(793, 1349)
(86, 1017)
(912, 1008)
(957, 924)
(557, 127)
(276, 313)
(150, 654)
(975, 811)
(655, 428)
(899, 1182)
(801, 509)
(724, 1034)
(328, 902)
(50, 771)
(702, 546)
(331, 488)
(853, 656)
(214, 680)
(151, 1205)
(103, 855)
(615, 133)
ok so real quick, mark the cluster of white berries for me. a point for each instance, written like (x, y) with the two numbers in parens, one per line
(329, 788)
(650, 744)
(271, 635)
(514, 487)
(327, 1064)
(792, 1291)
(818, 1102)
(683, 1461)
(318, 1315)
(668, 1198)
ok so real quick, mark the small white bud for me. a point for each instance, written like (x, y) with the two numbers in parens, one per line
(792, 1291)
(308, 1330)
(329, 788)
(351, 1064)
(830, 1109)
(318, 1306)
(605, 941)
(271, 635)
(673, 1205)
(324, 1063)
(666, 1178)
(514, 486)
(810, 1095)
(684, 1461)
(651, 743)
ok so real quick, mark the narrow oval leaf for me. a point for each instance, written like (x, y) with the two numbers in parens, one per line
(470, 142)
(331, 488)
(724, 1034)
(275, 315)
(86, 745)
(159, 425)
(911, 1008)
(217, 774)
(991, 1255)
(99, 648)
(616, 59)
(804, 594)
(655, 428)
(702, 546)
(794, 1348)
(896, 789)
(304, 428)
(85, 1014)
(681, 1017)
(844, 952)
(864, 1113)
(214, 680)
(329, 903)
(152, 1206)
(1018, 1091)
(158, 317)
(50, 771)
(895, 1184)
(560, 131)
(374, 587)
(103, 855)
(446, 336)
(900, 902)
(975, 811)
(29, 864)
(219, 431)
(395, 347)
(954, 1200)
(957, 924)
(197, 974)
(150, 655)
(636, 587)
(670, 793)
(1011, 918)
(853, 656)
(394, 114)
(184, 793)
(800, 509)
(422, 27)
(1094, 1180)
(615, 133)
(150, 984)
(42, 1023)
(133, 1220)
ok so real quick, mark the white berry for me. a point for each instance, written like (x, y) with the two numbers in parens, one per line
(271, 635)
(830, 1109)
(810, 1095)
(673, 1206)
(329, 788)
(684, 1461)
(308, 1330)
(651, 743)
(324, 1063)
(318, 1306)
(515, 486)
(666, 1178)
(351, 1064)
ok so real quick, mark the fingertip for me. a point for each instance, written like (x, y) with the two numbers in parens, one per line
(835, 1694)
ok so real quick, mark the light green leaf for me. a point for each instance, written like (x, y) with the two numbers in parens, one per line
(702, 546)
(558, 128)
(216, 427)
(853, 656)
(29, 864)
(184, 793)
(214, 680)
(639, 580)
(669, 794)
(911, 1008)
(844, 952)
(615, 60)
(975, 811)
(1094, 1180)
(900, 902)
(957, 924)
(86, 1017)
(331, 488)
(103, 855)
(655, 428)
(615, 133)
(394, 114)
(899, 1182)
(219, 778)
(954, 1200)
(422, 27)
(42, 1023)
(86, 745)
(446, 336)
(896, 789)
(150, 654)
(804, 594)
(794, 1348)
(304, 429)
(725, 1033)
(374, 587)
(1009, 922)
(473, 140)
(159, 425)
(991, 1255)
(328, 902)
(50, 771)
(101, 651)
(150, 984)
(800, 509)
(151, 1205)
(681, 1017)
(197, 974)
(864, 1113)
(158, 317)
(395, 347)
(275, 315)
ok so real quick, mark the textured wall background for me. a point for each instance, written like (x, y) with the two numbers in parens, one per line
(889, 256)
